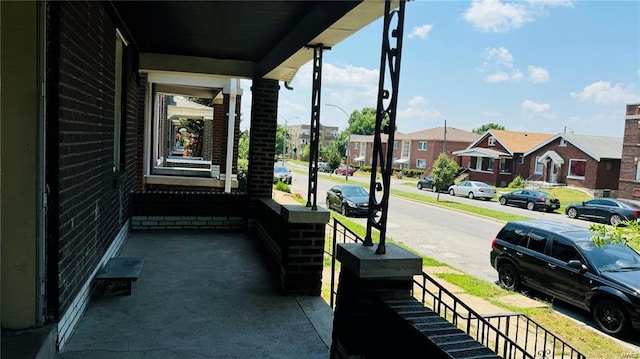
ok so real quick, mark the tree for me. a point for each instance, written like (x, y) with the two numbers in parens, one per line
(488, 126)
(363, 122)
(281, 142)
(627, 232)
(444, 171)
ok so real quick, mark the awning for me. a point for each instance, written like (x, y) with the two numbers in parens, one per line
(401, 160)
(555, 157)
(359, 158)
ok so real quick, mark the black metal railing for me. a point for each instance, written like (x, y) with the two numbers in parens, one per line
(508, 335)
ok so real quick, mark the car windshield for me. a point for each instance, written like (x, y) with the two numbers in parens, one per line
(611, 257)
(280, 170)
(354, 191)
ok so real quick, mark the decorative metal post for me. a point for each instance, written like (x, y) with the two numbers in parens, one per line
(315, 125)
(386, 108)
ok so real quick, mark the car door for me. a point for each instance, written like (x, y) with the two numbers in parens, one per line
(532, 259)
(462, 189)
(335, 197)
(592, 209)
(568, 284)
(519, 198)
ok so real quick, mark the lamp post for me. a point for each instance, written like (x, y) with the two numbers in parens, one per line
(285, 136)
(348, 152)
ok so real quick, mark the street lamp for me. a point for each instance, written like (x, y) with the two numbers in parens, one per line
(348, 152)
(285, 136)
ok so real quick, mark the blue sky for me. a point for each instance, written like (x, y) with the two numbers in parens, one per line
(536, 66)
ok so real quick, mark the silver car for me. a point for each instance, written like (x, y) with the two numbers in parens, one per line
(473, 189)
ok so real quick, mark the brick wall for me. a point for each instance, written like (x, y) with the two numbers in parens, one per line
(92, 199)
(264, 115)
(628, 186)
(569, 152)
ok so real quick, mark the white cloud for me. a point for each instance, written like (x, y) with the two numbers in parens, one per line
(603, 93)
(498, 56)
(538, 75)
(417, 115)
(494, 16)
(534, 109)
(501, 76)
(420, 31)
(497, 16)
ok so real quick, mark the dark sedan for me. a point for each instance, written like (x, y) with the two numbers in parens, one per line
(607, 210)
(350, 200)
(530, 199)
(427, 182)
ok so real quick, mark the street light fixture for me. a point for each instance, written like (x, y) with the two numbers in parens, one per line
(348, 152)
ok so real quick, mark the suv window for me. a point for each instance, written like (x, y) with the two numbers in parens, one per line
(537, 241)
(564, 252)
(513, 234)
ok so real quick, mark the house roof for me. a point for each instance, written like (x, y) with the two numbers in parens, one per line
(183, 102)
(437, 134)
(482, 152)
(518, 141)
(598, 147)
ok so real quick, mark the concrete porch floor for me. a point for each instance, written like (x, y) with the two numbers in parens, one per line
(200, 295)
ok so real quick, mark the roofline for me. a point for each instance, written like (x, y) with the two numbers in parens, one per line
(561, 135)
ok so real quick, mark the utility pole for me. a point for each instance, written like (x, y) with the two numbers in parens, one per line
(348, 152)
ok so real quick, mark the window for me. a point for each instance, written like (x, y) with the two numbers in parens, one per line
(564, 252)
(537, 241)
(563, 142)
(491, 141)
(406, 147)
(577, 168)
(638, 171)
(513, 234)
(420, 163)
(117, 103)
(503, 165)
(422, 145)
(356, 145)
(520, 159)
(490, 164)
(539, 166)
(395, 145)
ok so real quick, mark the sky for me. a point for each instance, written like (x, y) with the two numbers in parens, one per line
(540, 66)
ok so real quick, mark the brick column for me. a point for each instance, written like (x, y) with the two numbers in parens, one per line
(262, 142)
(365, 277)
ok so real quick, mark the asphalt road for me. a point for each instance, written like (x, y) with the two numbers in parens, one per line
(461, 240)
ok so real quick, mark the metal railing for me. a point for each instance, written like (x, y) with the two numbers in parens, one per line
(508, 335)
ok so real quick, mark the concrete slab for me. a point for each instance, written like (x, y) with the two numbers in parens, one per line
(201, 295)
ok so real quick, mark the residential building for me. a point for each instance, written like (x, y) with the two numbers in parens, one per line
(585, 161)
(300, 136)
(629, 182)
(497, 156)
(416, 150)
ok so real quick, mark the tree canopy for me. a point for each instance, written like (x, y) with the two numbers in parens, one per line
(363, 122)
(627, 232)
(444, 171)
(488, 126)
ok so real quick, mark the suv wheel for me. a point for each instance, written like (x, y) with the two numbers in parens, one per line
(419, 185)
(508, 277)
(503, 201)
(452, 192)
(610, 317)
(531, 206)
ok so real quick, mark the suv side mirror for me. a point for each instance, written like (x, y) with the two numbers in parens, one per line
(576, 264)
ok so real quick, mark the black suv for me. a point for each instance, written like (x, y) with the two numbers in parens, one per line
(561, 260)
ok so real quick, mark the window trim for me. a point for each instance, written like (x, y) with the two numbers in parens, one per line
(419, 160)
(535, 168)
(491, 141)
(420, 147)
(573, 176)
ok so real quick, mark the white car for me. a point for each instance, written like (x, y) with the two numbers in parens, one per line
(472, 189)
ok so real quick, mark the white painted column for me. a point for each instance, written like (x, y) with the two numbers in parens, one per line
(231, 115)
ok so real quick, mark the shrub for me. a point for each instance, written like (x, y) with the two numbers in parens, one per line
(281, 186)
(517, 182)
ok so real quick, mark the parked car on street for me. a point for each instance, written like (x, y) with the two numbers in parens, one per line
(472, 189)
(349, 199)
(343, 170)
(427, 182)
(562, 261)
(530, 199)
(281, 174)
(324, 167)
(607, 210)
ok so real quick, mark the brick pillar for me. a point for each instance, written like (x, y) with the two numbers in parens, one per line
(628, 187)
(262, 142)
(219, 134)
(365, 277)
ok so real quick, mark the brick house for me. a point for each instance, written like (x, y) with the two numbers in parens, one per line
(497, 156)
(416, 150)
(629, 180)
(590, 162)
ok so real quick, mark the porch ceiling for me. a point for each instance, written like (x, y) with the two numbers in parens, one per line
(239, 38)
